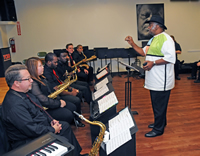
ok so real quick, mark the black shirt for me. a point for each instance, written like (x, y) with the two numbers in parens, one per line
(22, 119)
(42, 91)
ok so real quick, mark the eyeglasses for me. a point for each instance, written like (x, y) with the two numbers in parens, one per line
(27, 79)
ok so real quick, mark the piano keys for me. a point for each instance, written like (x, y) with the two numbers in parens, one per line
(47, 145)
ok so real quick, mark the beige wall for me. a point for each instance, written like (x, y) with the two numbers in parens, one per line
(51, 24)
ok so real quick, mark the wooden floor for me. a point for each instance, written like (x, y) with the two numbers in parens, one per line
(182, 133)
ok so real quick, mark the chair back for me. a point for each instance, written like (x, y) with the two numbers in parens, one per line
(4, 144)
(24, 61)
(41, 54)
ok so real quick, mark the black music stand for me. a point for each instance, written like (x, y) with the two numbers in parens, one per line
(128, 87)
(89, 53)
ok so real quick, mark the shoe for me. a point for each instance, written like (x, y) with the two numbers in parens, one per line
(182, 62)
(78, 123)
(177, 78)
(191, 78)
(84, 154)
(151, 125)
(152, 134)
(197, 81)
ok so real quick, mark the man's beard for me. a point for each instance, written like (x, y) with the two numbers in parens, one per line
(53, 67)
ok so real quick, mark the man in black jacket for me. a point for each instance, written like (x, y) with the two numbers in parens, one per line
(22, 113)
(74, 96)
(61, 69)
(78, 56)
(81, 72)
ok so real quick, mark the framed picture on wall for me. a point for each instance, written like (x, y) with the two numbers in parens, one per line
(144, 13)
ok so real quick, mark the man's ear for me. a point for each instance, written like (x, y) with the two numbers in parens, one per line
(16, 83)
(49, 63)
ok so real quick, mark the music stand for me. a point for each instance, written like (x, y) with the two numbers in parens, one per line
(128, 87)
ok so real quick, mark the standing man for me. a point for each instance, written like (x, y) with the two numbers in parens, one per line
(23, 115)
(159, 76)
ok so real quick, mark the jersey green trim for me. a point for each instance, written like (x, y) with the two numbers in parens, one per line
(156, 45)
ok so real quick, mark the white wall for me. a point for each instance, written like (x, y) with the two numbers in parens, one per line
(51, 24)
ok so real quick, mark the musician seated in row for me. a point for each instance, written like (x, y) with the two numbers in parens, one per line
(64, 70)
(58, 108)
(72, 95)
(82, 73)
(78, 56)
(24, 117)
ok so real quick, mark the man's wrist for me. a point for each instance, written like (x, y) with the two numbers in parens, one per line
(154, 62)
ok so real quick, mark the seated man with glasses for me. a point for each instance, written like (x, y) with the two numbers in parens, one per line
(23, 115)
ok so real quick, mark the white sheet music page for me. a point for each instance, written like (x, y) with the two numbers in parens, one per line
(101, 83)
(101, 74)
(100, 92)
(123, 121)
(107, 101)
(118, 141)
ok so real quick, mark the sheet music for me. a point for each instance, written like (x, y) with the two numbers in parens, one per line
(100, 92)
(107, 102)
(101, 74)
(118, 141)
(101, 83)
(121, 122)
(103, 68)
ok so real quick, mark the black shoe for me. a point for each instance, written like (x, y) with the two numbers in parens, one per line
(182, 62)
(191, 78)
(151, 125)
(78, 123)
(177, 78)
(197, 81)
(152, 134)
(84, 154)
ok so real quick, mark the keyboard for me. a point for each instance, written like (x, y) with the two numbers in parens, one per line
(47, 145)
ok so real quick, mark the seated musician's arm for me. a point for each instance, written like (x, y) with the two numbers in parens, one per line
(44, 100)
(21, 118)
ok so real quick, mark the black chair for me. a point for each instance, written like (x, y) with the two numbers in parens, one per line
(4, 144)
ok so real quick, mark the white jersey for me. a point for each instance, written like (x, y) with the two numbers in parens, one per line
(160, 77)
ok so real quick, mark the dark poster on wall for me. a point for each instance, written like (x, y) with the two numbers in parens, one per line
(144, 13)
(5, 60)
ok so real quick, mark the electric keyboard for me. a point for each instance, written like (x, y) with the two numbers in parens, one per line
(47, 145)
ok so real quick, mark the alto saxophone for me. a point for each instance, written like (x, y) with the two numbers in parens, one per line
(63, 86)
(86, 60)
(97, 143)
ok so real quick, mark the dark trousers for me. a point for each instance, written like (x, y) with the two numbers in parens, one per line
(84, 88)
(90, 75)
(82, 76)
(68, 133)
(159, 100)
(63, 114)
(72, 99)
(176, 68)
(194, 70)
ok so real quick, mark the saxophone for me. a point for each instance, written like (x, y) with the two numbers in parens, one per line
(97, 143)
(64, 86)
(86, 60)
